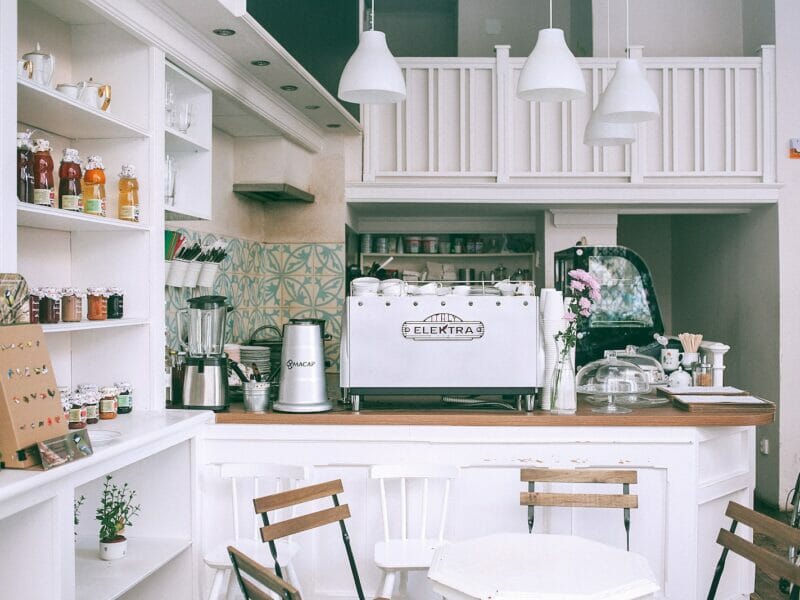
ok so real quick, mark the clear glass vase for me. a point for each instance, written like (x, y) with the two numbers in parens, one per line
(563, 395)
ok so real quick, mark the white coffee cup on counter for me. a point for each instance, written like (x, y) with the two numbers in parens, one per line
(525, 289)
(461, 290)
(671, 359)
(689, 359)
(506, 287)
(393, 287)
(366, 286)
(428, 289)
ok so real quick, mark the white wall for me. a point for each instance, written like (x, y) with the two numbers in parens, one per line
(787, 23)
(674, 28)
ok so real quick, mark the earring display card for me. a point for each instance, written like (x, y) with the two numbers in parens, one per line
(30, 404)
(65, 448)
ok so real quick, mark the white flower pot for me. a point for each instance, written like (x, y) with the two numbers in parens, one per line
(113, 550)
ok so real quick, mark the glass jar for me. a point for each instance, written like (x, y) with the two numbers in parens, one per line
(115, 303)
(91, 402)
(34, 297)
(96, 304)
(77, 412)
(702, 375)
(49, 306)
(94, 187)
(43, 181)
(125, 398)
(70, 195)
(128, 204)
(71, 305)
(108, 402)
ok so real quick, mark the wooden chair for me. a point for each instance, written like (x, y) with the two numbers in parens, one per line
(772, 564)
(401, 553)
(626, 501)
(251, 480)
(271, 532)
(250, 574)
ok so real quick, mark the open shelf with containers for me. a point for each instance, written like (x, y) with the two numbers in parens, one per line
(481, 252)
(191, 149)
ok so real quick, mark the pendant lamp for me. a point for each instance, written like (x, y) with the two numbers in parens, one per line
(551, 73)
(372, 75)
(602, 133)
(628, 97)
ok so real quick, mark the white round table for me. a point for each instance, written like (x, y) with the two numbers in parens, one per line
(521, 566)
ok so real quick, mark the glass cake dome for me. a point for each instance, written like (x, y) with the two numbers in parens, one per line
(609, 379)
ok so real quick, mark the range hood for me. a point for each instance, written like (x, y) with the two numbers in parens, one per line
(272, 192)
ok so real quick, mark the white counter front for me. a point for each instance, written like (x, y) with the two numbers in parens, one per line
(687, 475)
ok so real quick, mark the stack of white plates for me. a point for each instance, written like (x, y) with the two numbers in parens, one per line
(258, 356)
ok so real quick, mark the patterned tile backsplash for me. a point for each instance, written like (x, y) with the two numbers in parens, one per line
(268, 284)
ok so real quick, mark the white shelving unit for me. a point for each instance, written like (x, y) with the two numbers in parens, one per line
(90, 325)
(191, 150)
(43, 217)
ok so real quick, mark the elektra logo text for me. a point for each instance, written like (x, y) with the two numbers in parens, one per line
(443, 327)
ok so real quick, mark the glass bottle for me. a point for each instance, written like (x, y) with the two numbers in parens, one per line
(94, 187)
(92, 408)
(69, 184)
(128, 194)
(108, 402)
(115, 305)
(125, 398)
(24, 167)
(43, 180)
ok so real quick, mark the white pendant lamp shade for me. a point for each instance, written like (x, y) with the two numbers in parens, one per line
(372, 75)
(628, 97)
(602, 133)
(551, 73)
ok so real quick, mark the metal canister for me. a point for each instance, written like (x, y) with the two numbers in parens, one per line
(256, 396)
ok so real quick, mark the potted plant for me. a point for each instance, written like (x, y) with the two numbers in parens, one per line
(116, 510)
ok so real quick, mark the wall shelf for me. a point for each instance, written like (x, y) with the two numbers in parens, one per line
(92, 325)
(177, 141)
(102, 580)
(52, 112)
(43, 217)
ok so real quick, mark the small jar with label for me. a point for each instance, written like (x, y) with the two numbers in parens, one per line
(125, 398)
(702, 375)
(77, 412)
(34, 297)
(71, 305)
(92, 404)
(50, 306)
(115, 303)
(96, 304)
(108, 402)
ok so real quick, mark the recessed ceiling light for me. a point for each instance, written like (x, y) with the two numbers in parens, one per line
(333, 125)
(260, 63)
(312, 106)
(289, 88)
(225, 32)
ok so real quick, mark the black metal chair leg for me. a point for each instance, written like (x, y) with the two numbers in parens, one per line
(626, 518)
(351, 559)
(531, 508)
(795, 593)
(273, 550)
(712, 592)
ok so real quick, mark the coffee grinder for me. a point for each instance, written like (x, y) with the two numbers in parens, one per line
(205, 383)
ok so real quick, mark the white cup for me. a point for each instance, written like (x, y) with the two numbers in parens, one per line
(689, 359)
(429, 289)
(461, 290)
(393, 287)
(506, 287)
(525, 289)
(671, 359)
(366, 286)
(176, 272)
(70, 90)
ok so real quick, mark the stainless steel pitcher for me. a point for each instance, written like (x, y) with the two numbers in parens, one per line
(208, 321)
(302, 370)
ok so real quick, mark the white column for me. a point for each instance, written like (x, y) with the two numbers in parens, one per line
(8, 128)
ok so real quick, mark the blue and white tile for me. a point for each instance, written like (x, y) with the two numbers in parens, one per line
(297, 291)
(267, 292)
(328, 290)
(297, 258)
(273, 259)
(328, 259)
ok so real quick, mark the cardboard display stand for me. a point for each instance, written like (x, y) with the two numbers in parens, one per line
(30, 404)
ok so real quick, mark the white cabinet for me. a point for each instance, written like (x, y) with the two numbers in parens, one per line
(189, 147)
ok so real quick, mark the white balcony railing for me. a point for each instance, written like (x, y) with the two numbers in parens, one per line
(462, 119)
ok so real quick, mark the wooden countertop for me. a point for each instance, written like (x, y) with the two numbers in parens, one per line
(662, 416)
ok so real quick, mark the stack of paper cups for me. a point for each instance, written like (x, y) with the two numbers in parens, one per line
(553, 322)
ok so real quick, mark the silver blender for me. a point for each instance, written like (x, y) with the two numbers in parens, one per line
(205, 382)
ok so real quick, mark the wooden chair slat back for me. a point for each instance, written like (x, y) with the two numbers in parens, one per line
(579, 500)
(305, 522)
(770, 563)
(578, 475)
(258, 572)
(298, 496)
(773, 528)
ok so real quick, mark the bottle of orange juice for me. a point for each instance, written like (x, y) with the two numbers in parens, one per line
(128, 194)
(94, 187)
